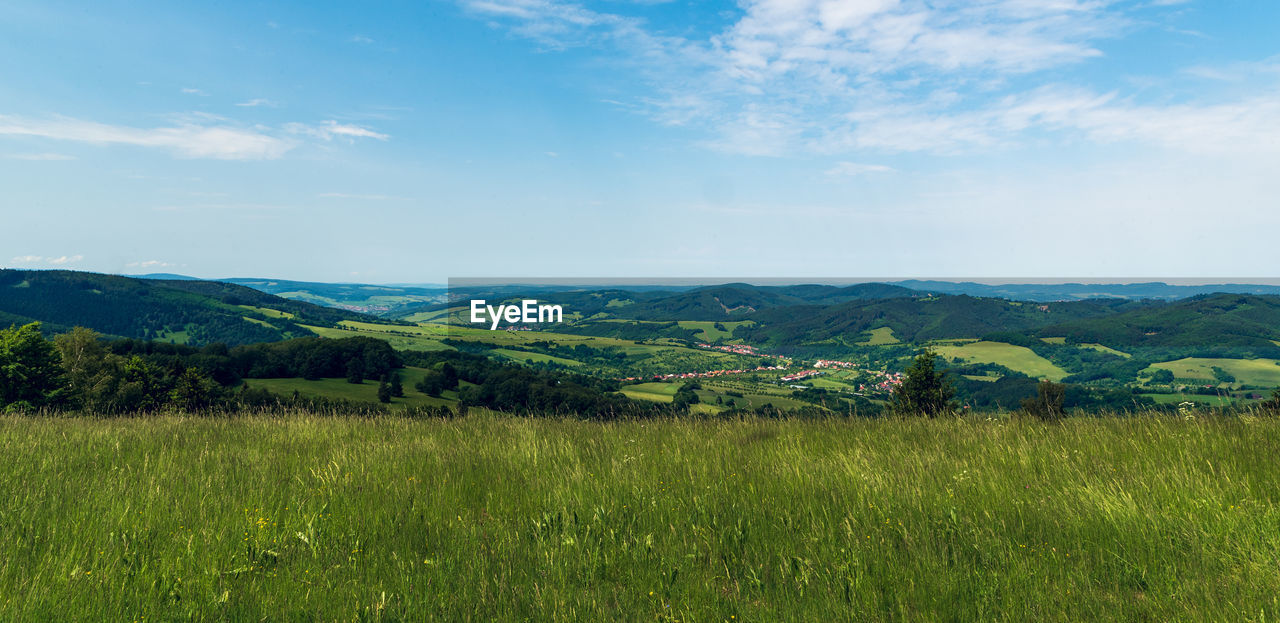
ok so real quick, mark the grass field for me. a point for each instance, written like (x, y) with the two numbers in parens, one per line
(1173, 399)
(366, 392)
(707, 329)
(1107, 349)
(665, 392)
(880, 337)
(1018, 358)
(522, 357)
(1263, 372)
(484, 519)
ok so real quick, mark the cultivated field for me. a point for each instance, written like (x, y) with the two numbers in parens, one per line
(1018, 358)
(1257, 372)
(486, 518)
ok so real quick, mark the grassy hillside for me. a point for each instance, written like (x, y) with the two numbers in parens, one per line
(1017, 358)
(183, 311)
(486, 519)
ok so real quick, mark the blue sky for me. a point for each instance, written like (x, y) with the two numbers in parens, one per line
(416, 141)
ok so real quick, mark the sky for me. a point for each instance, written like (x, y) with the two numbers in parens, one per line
(412, 142)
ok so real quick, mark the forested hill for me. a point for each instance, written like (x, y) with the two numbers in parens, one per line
(917, 319)
(1217, 320)
(1230, 323)
(709, 303)
(182, 311)
(737, 300)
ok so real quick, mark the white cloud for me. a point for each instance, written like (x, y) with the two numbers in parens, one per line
(360, 39)
(188, 140)
(41, 156)
(151, 264)
(191, 91)
(361, 197)
(257, 101)
(946, 76)
(192, 136)
(39, 259)
(329, 130)
(850, 169)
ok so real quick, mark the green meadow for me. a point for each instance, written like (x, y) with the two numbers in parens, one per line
(362, 392)
(707, 330)
(487, 518)
(1018, 358)
(1258, 372)
(882, 336)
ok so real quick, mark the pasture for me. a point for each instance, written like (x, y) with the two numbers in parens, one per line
(1018, 358)
(363, 392)
(488, 518)
(1260, 372)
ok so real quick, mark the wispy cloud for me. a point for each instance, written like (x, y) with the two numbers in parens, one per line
(257, 101)
(331, 129)
(41, 156)
(361, 197)
(189, 140)
(193, 136)
(361, 39)
(839, 76)
(851, 169)
(193, 91)
(23, 260)
(151, 264)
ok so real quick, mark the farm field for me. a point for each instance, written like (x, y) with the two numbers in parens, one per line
(1173, 399)
(707, 330)
(1262, 372)
(665, 392)
(1018, 358)
(488, 518)
(366, 392)
(880, 337)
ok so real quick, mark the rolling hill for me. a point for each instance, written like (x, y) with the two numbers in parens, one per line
(182, 311)
(914, 319)
(1208, 321)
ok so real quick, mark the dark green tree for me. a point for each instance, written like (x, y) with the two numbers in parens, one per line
(384, 390)
(430, 384)
(1272, 403)
(450, 375)
(30, 372)
(925, 390)
(685, 398)
(396, 386)
(355, 371)
(193, 390)
(1047, 404)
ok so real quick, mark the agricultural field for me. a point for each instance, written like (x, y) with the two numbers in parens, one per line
(1175, 399)
(489, 518)
(364, 392)
(1018, 358)
(707, 330)
(880, 337)
(1257, 372)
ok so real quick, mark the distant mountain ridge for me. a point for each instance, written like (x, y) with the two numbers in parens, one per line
(179, 310)
(1048, 292)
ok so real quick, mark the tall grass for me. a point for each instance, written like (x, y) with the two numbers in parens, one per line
(486, 518)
